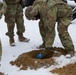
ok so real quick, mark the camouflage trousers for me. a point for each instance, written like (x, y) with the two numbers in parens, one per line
(14, 15)
(63, 18)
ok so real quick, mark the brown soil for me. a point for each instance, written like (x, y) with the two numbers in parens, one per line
(29, 59)
(1, 73)
(67, 70)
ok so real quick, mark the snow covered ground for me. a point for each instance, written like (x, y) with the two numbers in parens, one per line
(32, 32)
(71, 3)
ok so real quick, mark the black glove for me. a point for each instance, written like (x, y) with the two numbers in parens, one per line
(37, 16)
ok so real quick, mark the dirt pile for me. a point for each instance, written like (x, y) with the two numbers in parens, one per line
(29, 59)
(1, 73)
(67, 70)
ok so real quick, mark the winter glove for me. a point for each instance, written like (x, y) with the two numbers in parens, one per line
(37, 16)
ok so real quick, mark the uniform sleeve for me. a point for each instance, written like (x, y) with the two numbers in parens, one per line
(31, 12)
(34, 11)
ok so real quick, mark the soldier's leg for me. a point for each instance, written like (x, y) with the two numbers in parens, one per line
(50, 32)
(64, 34)
(10, 20)
(50, 22)
(42, 32)
(20, 25)
(10, 31)
(63, 23)
(10, 34)
(50, 36)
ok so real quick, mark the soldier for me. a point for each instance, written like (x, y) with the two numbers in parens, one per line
(14, 15)
(52, 11)
(3, 8)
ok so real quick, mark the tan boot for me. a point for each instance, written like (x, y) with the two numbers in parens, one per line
(23, 39)
(11, 40)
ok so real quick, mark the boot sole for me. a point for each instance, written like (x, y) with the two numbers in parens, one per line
(13, 44)
(24, 40)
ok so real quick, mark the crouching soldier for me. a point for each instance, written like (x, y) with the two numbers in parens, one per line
(3, 8)
(50, 12)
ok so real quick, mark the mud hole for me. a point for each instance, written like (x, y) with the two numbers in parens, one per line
(29, 59)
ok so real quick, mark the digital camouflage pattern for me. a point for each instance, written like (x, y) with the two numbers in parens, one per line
(3, 8)
(14, 15)
(51, 12)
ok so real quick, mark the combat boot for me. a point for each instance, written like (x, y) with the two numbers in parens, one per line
(42, 45)
(11, 40)
(22, 38)
(71, 52)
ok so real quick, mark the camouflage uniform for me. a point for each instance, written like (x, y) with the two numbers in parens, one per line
(3, 8)
(14, 15)
(52, 11)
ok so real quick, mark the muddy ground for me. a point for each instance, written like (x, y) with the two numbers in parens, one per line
(67, 70)
(1, 73)
(29, 59)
